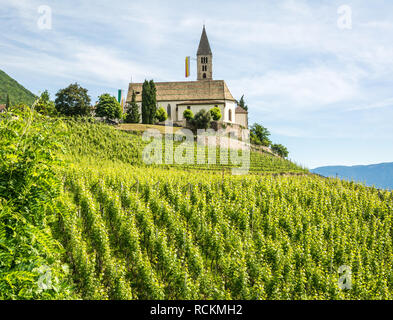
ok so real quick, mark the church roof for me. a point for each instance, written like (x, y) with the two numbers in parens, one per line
(204, 46)
(239, 110)
(185, 91)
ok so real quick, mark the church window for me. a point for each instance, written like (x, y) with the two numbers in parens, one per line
(230, 115)
(189, 107)
(206, 61)
(204, 76)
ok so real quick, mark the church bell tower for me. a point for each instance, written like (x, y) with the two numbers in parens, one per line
(204, 58)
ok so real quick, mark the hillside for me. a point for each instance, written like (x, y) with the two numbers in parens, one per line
(378, 175)
(115, 228)
(17, 93)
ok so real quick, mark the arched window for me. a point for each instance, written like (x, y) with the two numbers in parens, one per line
(230, 115)
(169, 111)
(207, 59)
(204, 76)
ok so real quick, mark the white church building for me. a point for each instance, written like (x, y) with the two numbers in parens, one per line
(205, 93)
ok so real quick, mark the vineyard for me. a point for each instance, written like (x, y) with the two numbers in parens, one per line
(116, 228)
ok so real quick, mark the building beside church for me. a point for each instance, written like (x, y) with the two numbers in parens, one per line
(205, 93)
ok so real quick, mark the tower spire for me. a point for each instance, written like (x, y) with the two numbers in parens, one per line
(204, 58)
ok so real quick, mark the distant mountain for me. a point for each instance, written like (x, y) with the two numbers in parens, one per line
(378, 175)
(17, 93)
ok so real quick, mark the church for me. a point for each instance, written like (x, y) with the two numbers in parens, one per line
(205, 93)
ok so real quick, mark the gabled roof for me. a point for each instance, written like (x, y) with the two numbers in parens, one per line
(240, 110)
(185, 91)
(204, 46)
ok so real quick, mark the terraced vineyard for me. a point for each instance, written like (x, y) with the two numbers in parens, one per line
(78, 206)
(101, 142)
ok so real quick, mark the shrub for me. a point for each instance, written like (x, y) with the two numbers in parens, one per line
(216, 113)
(201, 120)
(188, 115)
(161, 115)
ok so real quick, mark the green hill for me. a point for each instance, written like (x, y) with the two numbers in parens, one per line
(108, 226)
(18, 94)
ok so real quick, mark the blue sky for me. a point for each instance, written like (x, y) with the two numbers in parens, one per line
(323, 91)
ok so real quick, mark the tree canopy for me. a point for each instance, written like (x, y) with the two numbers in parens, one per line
(260, 135)
(73, 101)
(108, 107)
(45, 106)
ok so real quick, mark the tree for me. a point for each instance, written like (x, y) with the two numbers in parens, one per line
(216, 113)
(260, 135)
(146, 102)
(201, 120)
(8, 102)
(45, 106)
(188, 115)
(153, 102)
(161, 115)
(108, 107)
(133, 115)
(280, 150)
(149, 102)
(73, 101)
(242, 103)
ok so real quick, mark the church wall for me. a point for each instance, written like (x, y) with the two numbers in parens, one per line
(242, 119)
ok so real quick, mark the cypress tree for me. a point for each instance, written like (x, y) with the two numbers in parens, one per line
(242, 103)
(8, 102)
(133, 115)
(153, 102)
(146, 102)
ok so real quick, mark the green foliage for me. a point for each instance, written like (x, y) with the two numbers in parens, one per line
(153, 102)
(201, 120)
(182, 235)
(31, 260)
(280, 150)
(259, 135)
(133, 115)
(146, 102)
(216, 113)
(242, 103)
(161, 115)
(149, 102)
(8, 102)
(16, 92)
(188, 115)
(45, 106)
(73, 101)
(108, 107)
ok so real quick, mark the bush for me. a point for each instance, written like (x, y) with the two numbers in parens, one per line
(188, 115)
(161, 115)
(216, 113)
(201, 120)
(29, 187)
